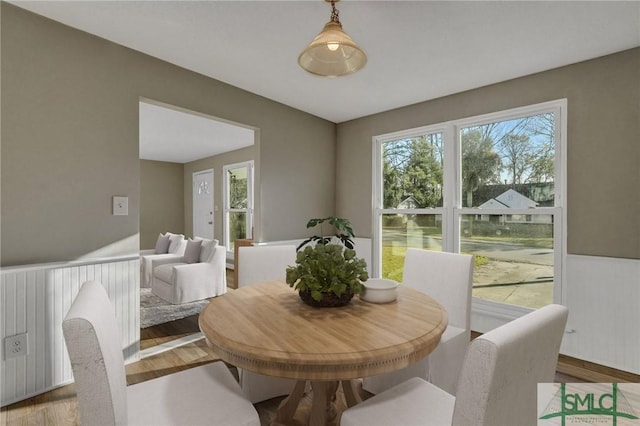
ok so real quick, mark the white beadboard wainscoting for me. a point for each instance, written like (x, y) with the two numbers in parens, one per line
(603, 297)
(35, 299)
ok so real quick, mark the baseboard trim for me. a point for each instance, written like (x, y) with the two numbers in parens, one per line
(592, 372)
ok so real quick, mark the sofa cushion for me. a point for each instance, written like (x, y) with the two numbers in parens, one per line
(207, 249)
(192, 252)
(174, 241)
(162, 244)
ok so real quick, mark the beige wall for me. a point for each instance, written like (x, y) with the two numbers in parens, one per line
(603, 164)
(70, 142)
(216, 163)
(161, 200)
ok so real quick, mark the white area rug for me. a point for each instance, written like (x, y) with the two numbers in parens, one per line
(154, 310)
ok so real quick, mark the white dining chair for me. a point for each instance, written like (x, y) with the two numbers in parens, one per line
(448, 278)
(208, 394)
(498, 381)
(264, 263)
(259, 264)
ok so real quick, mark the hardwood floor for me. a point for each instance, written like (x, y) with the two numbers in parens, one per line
(59, 407)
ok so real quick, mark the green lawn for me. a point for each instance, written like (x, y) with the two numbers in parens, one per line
(393, 261)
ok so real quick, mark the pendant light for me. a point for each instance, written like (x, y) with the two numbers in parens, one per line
(332, 53)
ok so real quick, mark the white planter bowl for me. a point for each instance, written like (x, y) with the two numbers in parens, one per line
(379, 290)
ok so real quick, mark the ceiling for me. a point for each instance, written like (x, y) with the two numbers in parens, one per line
(417, 50)
(180, 136)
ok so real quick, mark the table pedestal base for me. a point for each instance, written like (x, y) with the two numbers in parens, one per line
(324, 409)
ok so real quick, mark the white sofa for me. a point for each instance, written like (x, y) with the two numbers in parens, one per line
(182, 282)
(149, 259)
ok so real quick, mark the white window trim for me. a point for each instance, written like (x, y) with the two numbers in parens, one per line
(486, 314)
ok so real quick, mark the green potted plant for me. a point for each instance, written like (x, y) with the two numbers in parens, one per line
(328, 274)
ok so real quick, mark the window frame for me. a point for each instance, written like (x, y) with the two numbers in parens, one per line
(486, 313)
(225, 202)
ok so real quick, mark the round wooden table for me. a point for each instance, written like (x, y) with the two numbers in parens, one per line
(267, 329)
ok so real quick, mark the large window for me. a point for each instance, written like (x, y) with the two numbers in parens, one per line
(489, 186)
(238, 202)
(411, 197)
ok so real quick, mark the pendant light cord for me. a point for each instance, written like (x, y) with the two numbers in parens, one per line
(334, 13)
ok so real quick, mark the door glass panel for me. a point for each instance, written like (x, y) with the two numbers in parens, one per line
(513, 257)
(402, 231)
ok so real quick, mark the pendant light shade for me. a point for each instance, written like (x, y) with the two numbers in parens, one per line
(332, 53)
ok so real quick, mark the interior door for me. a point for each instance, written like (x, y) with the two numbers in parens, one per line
(203, 204)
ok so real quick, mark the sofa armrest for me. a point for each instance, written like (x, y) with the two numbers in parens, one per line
(150, 261)
(147, 252)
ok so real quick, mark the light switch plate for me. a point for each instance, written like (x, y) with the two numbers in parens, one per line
(120, 206)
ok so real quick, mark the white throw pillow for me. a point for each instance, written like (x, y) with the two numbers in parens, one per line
(162, 244)
(175, 241)
(192, 252)
(207, 249)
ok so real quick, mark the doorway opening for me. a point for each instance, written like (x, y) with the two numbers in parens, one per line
(182, 155)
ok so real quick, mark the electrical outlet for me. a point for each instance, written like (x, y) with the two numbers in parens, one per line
(15, 346)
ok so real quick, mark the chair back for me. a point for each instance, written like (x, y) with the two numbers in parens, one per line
(447, 277)
(498, 381)
(95, 350)
(264, 263)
